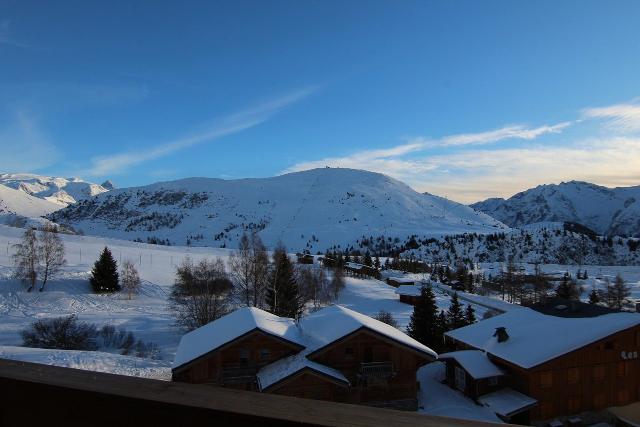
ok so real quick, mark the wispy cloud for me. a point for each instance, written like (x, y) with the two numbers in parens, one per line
(6, 36)
(25, 146)
(119, 163)
(388, 160)
(621, 117)
(509, 132)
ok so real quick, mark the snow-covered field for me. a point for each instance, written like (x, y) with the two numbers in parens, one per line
(148, 317)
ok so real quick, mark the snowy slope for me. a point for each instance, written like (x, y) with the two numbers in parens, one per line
(313, 210)
(608, 211)
(16, 206)
(61, 191)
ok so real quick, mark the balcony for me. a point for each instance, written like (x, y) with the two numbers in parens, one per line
(376, 370)
(238, 375)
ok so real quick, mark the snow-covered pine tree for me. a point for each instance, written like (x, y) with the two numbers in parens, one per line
(104, 275)
(283, 296)
(470, 315)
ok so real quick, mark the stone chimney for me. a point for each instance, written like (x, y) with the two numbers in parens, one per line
(502, 334)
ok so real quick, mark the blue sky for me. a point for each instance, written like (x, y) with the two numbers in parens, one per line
(467, 99)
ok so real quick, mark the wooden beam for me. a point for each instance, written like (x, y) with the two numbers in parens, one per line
(34, 393)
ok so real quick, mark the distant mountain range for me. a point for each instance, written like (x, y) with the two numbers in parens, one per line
(60, 191)
(312, 210)
(607, 211)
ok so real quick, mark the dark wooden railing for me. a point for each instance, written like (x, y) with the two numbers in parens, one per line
(34, 394)
(376, 369)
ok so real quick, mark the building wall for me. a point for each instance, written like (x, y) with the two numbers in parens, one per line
(311, 386)
(474, 388)
(254, 345)
(347, 356)
(591, 378)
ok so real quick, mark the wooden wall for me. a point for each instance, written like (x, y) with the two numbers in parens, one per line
(591, 378)
(311, 386)
(347, 355)
(208, 369)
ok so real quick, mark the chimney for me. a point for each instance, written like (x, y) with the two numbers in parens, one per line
(501, 333)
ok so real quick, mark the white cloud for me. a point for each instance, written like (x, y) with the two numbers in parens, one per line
(622, 117)
(509, 132)
(25, 147)
(119, 163)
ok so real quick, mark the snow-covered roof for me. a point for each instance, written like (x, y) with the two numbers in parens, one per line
(475, 362)
(334, 322)
(409, 290)
(507, 402)
(535, 338)
(283, 368)
(227, 328)
(404, 279)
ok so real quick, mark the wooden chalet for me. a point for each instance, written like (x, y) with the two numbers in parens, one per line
(334, 354)
(527, 365)
(400, 281)
(361, 270)
(304, 258)
(409, 294)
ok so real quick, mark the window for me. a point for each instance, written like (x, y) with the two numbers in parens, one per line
(368, 354)
(461, 379)
(546, 379)
(244, 356)
(622, 369)
(598, 373)
(573, 375)
(349, 352)
(265, 354)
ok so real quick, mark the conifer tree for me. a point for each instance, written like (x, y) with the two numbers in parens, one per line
(423, 324)
(594, 297)
(366, 260)
(104, 275)
(455, 313)
(376, 263)
(470, 315)
(567, 289)
(283, 296)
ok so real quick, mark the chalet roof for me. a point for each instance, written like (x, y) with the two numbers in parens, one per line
(335, 322)
(507, 402)
(409, 290)
(535, 338)
(475, 362)
(403, 279)
(284, 368)
(232, 326)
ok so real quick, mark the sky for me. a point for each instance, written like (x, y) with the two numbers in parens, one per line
(464, 99)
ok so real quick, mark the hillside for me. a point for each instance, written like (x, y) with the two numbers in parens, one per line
(313, 210)
(61, 191)
(607, 211)
(18, 207)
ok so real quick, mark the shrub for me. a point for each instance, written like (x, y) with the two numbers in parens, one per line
(65, 333)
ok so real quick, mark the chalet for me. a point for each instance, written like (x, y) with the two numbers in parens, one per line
(529, 365)
(334, 354)
(409, 294)
(400, 281)
(361, 270)
(304, 258)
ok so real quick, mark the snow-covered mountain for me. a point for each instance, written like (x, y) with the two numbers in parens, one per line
(312, 210)
(61, 191)
(19, 208)
(607, 211)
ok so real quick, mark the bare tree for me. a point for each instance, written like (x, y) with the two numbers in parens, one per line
(618, 292)
(249, 266)
(25, 259)
(200, 293)
(337, 283)
(50, 254)
(314, 286)
(129, 278)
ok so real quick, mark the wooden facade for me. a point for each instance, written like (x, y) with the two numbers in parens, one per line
(378, 368)
(601, 374)
(409, 299)
(236, 363)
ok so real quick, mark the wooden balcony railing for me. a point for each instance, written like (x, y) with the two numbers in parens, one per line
(376, 370)
(34, 394)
